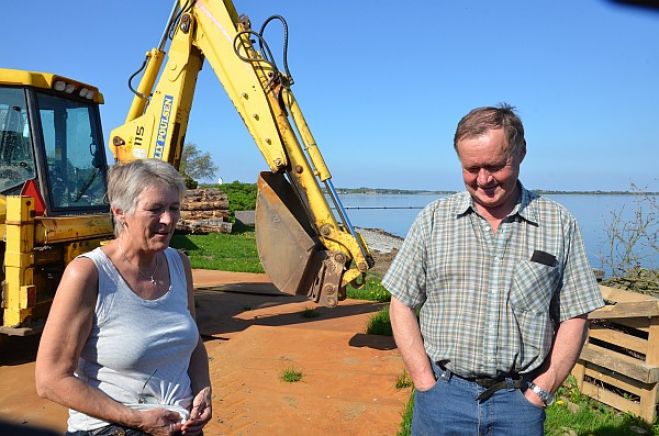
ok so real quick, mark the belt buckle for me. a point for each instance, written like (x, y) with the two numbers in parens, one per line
(486, 382)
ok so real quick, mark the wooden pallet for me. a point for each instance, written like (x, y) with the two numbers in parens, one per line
(619, 365)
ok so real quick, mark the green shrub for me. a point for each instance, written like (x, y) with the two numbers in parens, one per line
(242, 196)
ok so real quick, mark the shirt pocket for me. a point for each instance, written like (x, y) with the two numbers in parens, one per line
(533, 286)
(532, 290)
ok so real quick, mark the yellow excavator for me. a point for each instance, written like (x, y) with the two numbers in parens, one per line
(53, 165)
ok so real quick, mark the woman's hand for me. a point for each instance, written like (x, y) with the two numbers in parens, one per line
(202, 410)
(160, 422)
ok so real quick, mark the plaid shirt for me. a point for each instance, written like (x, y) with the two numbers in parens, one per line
(491, 302)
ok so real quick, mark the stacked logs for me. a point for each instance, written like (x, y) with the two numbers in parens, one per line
(204, 211)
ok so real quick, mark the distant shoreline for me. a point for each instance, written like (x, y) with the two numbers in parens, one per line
(380, 191)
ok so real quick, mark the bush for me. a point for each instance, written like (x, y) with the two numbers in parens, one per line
(242, 196)
(632, 243)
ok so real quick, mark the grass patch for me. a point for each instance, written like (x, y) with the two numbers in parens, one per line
(379, 323)
(309, 312)
(291, 375)
(371, 291)
(226, 252)
(406, 424)
(404, 380)
(577, 412)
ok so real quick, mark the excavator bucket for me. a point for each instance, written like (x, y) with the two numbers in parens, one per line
(289, 248)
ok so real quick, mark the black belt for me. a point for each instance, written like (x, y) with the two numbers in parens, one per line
(491, 385)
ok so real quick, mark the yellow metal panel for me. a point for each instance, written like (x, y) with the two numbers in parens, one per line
(77, 248)
(41, 80)
(15, 297)
(27, 297)
(19, 209)
(17, 259)
(19, 275)
(26, 78)
(51, 230)
(3, 216)
(215, 35)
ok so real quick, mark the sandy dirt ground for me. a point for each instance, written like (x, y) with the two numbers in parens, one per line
(253, 334)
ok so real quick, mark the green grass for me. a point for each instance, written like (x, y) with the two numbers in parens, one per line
(573, 413)
(371, 291)
(406, 423)
(291, 375)
(379, 323)
(577, 412)
(234, 252)
(404, 380)
(237, 252)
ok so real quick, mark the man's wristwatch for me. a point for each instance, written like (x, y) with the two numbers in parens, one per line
(546, 396)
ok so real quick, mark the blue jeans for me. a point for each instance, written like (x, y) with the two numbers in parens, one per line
(450, 408)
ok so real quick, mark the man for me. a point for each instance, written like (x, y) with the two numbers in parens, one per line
(504, 288)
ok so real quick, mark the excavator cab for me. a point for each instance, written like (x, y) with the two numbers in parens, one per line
(52, 188)
(52, 138)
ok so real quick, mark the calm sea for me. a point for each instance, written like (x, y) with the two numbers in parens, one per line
(395, 214)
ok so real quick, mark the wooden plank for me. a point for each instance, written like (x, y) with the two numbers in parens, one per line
(607, 397)
(652, 357)
(578, 372)
(618, 380)
(627, 310)
(618, 362)
(622, 296)
(619, 338)
(648, 406)
(641, 324)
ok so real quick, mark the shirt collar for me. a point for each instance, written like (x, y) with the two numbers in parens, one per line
(463, 204)
(524, 206)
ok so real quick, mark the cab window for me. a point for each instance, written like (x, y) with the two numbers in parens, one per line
(74, 156)
(16, 157)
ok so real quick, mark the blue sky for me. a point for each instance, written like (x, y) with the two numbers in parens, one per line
(383, 83)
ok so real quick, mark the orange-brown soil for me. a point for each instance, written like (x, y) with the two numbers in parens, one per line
(253, 334)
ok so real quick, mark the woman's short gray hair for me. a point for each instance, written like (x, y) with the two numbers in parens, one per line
(127, 181)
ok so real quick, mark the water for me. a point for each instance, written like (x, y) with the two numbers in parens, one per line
(593, 213)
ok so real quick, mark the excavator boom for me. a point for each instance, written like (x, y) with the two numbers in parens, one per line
(303, 247)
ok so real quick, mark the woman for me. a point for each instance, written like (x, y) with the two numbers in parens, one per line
(120, 347)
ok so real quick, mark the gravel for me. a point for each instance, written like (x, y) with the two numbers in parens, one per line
(381, 241)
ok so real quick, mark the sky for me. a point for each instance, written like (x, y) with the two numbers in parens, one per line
(383, 83)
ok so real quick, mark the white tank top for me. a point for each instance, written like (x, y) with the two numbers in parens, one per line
(138, 351)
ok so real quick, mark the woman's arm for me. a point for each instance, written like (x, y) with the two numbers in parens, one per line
(198, 371)
(65, 334)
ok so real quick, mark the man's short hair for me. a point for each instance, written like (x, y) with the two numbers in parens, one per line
(482, 119)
